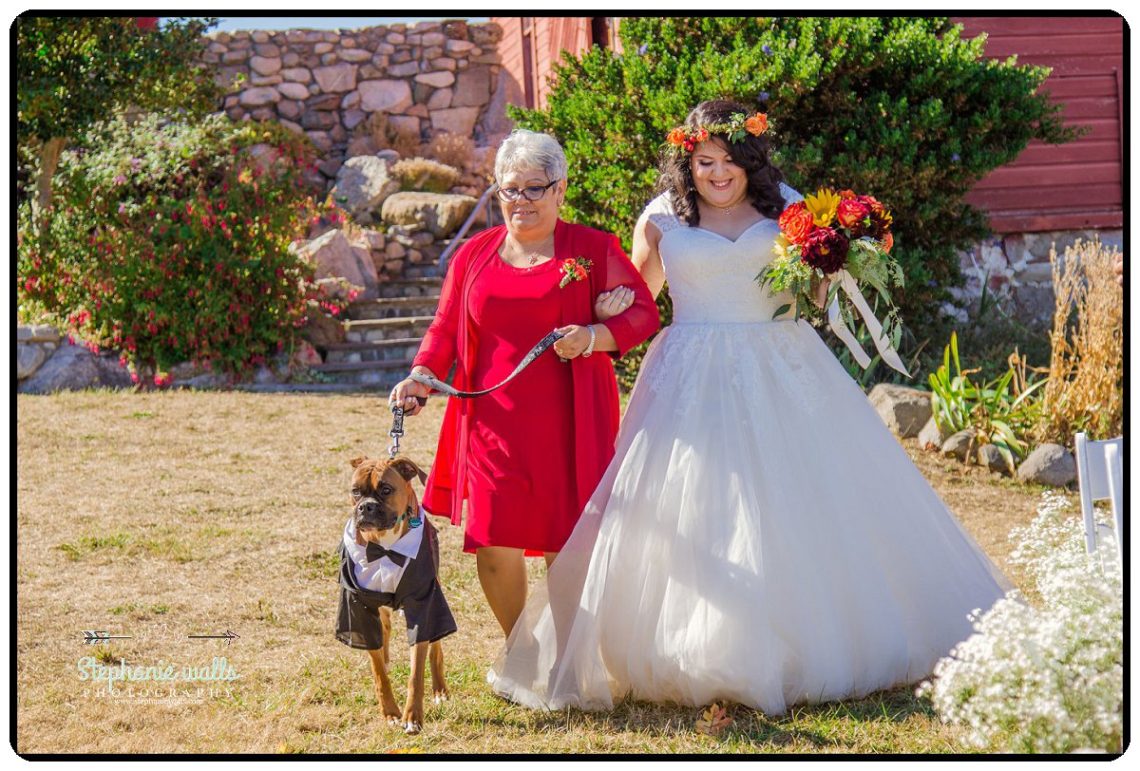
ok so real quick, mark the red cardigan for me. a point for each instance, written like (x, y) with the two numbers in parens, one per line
(453, 338)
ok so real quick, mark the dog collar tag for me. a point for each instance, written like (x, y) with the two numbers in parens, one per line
(415, 521)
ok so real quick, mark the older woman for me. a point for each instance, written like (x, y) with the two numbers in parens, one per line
(527, 457)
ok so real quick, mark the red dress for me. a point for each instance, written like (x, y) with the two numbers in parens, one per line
(528, 456)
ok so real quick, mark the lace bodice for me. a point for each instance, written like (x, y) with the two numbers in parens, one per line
(712, 279)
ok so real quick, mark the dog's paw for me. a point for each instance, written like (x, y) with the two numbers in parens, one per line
(439, 697)
(412, 727)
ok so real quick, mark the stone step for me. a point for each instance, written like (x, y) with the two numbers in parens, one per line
(393, 307)
(427, 286)
(399, 348)
(422, 270)
(374, 330)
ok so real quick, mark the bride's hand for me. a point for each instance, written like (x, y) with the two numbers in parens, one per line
(613, 302)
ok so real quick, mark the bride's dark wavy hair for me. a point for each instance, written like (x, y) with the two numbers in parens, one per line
(750, 153)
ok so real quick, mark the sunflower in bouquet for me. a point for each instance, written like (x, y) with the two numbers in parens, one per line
(827, 235)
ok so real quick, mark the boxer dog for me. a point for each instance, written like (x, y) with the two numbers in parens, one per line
(390, 561)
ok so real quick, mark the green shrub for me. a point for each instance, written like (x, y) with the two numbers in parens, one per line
(171, 242)
(896, 107)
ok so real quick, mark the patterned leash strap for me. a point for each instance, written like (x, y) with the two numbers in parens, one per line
(534, 353)
(431, 382)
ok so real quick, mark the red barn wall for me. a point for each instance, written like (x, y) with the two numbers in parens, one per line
(1076, 185)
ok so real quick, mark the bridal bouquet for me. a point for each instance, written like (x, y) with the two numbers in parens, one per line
(845, 237)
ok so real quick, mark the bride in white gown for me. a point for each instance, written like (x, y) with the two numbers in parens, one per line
(759, 537)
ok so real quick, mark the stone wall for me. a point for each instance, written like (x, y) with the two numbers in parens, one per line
(427, 78)
(1016, 271)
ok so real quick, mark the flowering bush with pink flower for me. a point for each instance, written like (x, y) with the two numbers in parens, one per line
(170, 242)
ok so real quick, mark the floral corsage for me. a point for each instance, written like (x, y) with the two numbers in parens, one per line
(574, 269)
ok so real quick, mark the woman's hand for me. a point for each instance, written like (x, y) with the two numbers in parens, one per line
(406, 391)
(613, 302)
(573, 342)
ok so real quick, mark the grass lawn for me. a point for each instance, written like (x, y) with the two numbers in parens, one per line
(160, 515)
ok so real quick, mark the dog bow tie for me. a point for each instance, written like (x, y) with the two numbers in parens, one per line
(374, 551)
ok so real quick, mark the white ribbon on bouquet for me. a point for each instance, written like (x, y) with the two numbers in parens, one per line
(835, 321)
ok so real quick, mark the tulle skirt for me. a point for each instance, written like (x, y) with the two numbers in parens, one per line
(760, 537)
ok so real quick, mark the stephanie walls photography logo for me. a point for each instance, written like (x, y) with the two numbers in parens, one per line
(163, 681)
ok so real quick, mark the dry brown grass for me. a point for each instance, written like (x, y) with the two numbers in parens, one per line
(424, 174)
(1085, 391)
(453, 149)
(163, 514)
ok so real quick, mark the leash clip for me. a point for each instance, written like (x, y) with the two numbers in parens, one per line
(397, 430)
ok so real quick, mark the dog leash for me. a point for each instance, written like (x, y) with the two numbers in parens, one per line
(438, 385)
(450, 390)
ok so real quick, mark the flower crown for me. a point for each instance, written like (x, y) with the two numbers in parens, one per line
(735, 129)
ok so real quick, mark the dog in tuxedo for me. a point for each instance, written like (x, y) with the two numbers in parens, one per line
(390, 561)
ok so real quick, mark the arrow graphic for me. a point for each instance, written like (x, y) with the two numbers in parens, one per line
(96, 636)
(228, 636)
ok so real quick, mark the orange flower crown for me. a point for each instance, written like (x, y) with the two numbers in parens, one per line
(735, 129)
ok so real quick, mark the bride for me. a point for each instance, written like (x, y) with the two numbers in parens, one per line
(759, 537)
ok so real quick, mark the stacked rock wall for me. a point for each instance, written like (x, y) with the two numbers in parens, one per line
(1016, 272)
(425, 79)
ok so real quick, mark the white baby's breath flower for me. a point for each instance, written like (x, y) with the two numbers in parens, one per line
(1048, 678)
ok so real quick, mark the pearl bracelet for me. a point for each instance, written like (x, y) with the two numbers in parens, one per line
(593, 339)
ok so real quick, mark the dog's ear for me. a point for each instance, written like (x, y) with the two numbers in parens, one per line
(408, 469)
(357, 461)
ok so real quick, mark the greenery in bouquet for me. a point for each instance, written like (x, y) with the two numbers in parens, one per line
(828, 232)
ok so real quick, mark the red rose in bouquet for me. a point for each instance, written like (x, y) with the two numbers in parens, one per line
(826, 249)
(851, 213)
(796, 222)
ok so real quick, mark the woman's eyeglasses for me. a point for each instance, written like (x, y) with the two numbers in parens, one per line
(530, 192)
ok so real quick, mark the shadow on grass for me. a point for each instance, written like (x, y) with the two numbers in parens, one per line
(826, 725)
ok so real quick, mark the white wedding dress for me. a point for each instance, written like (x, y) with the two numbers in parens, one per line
(760, 536)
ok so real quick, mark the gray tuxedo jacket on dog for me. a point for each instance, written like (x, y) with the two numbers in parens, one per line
(418, 594)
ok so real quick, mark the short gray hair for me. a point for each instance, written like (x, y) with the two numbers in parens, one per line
(530, 150)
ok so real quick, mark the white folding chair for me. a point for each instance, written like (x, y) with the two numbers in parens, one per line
(1100, 475)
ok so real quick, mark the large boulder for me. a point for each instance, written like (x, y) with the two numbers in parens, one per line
(332, 255)
(362, 185)
(73, 368)
(438, 213)
(904, 410)
(1049, 464)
